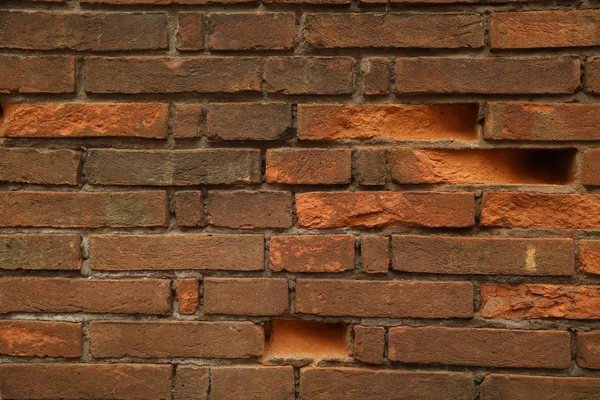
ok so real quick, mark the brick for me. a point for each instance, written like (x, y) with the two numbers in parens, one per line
(500, 75)
(170, 75)
(591, 166)
(589, 257)
(189, 208)
(188, 295)
(177, 252)
(253, 383)
(312, 253)
(70, 120)
(592, 77)
(376, 76)
(389, 299)
(491, 256)
(480, 347)
(85, 381)
(389, 121)
(525, 30)
(309, 166)
(375, 254)
(262, 31)
(37, 74)
(40, 252)
(250, 209)
(187, 120)
(527, 301)
(315, 2)
(360, 383)
(319, 210)
(191, 383)
(39, 166)
(369, 343)
(190, 35)
(394, 30)
(40, 339)
(83, 209)
(309, 75)
(123, 296)
(111, 339)
(248, 121)
(172, 167)
(372, 166)
(519, 387)
(83, 31)
(538, 210)
(588, 349)
(164, 2)
(262, 296)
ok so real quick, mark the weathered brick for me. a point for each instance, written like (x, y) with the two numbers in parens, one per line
(39, 166)
(520, 387)
(309, 166)
(248, 121)
(172, 167)
(376, 76)
(492, 256)
(170, 75)
(523, 30)
(187, 120)
(177, 252)
(369, 343)
(261, 31)
(250, 209)
(83, 31)
(312, 253)
(480, 347)
(591, 168)
(423, 30)
(390, 299)
(371, 165)
(163, 2)
(83, 209)
(49, 120)
(262, 296)
(588, 349)
(592, 77)
(40, 339)
(315, 2)
(191, 383)
(112, 339)
(40, 251)
(360, 384)
(190, 35)
(527, 301)
(425, 2)
(389, 121)
(123, 296)
(501, 75)
(37, 74)
(187, 295)
(273, 383)
(189, 208)
(318, 210)
(309, 75)
(589, 257)
(374, 252)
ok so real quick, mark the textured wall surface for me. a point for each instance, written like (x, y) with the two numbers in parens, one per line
(300, 199)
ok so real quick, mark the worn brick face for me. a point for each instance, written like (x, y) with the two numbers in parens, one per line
(40, 252)
(248, 121)
(37, 74)
(309, 167)
(263, 31)
(40, 339)
(312, 253)
(262, 296)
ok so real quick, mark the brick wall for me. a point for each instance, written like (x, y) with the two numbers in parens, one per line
(300, 199)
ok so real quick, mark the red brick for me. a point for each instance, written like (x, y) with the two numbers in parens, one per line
(83, 31)
(39, 166)
(492, 256)
(37, 74)
(85, 381)
(189, 208)
(191, 383)
(523, 30)
(261, 296)
(315, 2)
(538, 210)
(250, 209)
(519, 387)
(376, 76)
(190, 35)
(592, 78)
(172, 167)
(372, 166)
(312, 253)
(112, 339)
(390, 121)
(309, 75)
(480, 347)
(123, 296)
(362, 383)
(248, 121)
(49, 120)
(390, 299)
(40, 251)
(40, 339)
(83, 209)
(273, 383)
(170, 75)
(188, 295)
(527, 301)
(187, 120)
(402, 30)
(369, 343)
(589, 257)
(591, 167)
(375, 254)
(318, 210)
(309, 166)
(163, 2)
(177, 252)
(262, 31)
(424, 2)
(501, 75)
(588, 349)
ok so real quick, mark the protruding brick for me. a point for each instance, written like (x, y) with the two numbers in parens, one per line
(273, 383)
(312, 253)
(261, 31)
(309, 166)
(248, 121)
(372, 166)
(375, 252)
(391, 299)
(369, 343)
(309, 75)
(376, 76)
(187, 120)
(189, 208)
(191, 383)
(522, 387)
(250, 209)
(262, 296)
(39, 166)
(190, 35)
(40, 339)
(589, 257)
(40, 251)
(188, 295)
(37, 74)
(588, 349)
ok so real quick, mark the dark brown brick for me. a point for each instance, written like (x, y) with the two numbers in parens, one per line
(37, 74)
(592, 76)
(273, 383)
(372, 167)
(261, 31)
(309, 75)
(312, 253)
(189, 208)
(588, 349)
(369, 343)
(519, 387)
(591, 168)
(248, 121)
(40, 251)
(309, 166)
(40, 339)
(250, 209)
(187, 120)
(262, 296)
(39, 166)
(190, 35)
(376, 76)
(375, 254)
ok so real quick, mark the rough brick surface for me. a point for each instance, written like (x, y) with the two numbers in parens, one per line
(262, 296)
(247, 210)
(188, 295)
(189, 208)
(191, 383)
(46, 167)
(588, 353)
(519, 387)
(262, 31)
(312, 253)
(375, 254)
(248, 121)
(40, 339)
(369, 344)
(309, 75)
(309, 167)
(37, 74)
(40, 252)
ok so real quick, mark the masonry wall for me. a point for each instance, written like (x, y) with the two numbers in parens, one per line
(293, 199)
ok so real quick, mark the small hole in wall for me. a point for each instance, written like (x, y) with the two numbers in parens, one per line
(553, 167)
(292, 338)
